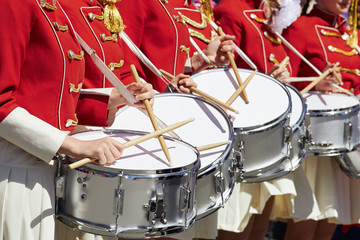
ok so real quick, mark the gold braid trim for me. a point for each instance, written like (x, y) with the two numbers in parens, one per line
(334, 49)
(62, 28)
(93, 16)
(353, 71)
(256, 18)
(112, 18)
(114, 65)
(105, 38)
(199, 36)
(72, 55)
(194, 24)
(72, 87)
(71, 122)
(333, 34)
(353, 39)
(213, 34)
(49, 6)
(205, 8)
(274, 40)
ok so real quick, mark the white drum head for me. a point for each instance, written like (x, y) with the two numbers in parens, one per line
(147, 155)
(210, 125)
(317, 101)
(268, 99)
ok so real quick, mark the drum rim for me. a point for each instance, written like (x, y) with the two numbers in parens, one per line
(225, 154)
(215, 164)
(301, 120)
(259, 127)
(140, 174)
(334, 111)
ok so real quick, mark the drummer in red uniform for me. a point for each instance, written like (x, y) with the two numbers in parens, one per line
(88, 20)
(41, 65)
(254, 23)
(163, 36)
(322, 37)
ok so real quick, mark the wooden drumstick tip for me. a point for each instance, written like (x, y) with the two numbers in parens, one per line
(212, 145)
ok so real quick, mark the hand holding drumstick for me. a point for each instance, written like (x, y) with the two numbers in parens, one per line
(152, 116)
(234, 67)
(129, 143)
(201, 93)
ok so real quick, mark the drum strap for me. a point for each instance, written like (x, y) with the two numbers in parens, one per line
(115, 81)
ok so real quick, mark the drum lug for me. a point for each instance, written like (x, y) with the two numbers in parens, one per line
(238, 167)
(287, 134)
(157, 208)
(220, 185)
(185, 193)
(60, 186)
(118, 202)
(348, 130)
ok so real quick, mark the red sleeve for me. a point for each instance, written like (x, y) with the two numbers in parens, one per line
(16, 19)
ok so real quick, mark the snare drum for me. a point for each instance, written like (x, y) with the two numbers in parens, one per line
(333, 126)
(138, 197)
(215, 179)
(259, 144)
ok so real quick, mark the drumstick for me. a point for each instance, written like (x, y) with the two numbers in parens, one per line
(151, 116)
(312, 84)
(287, 44)
(234, 67)
(202, 94)
(284, 62)
(240, 89)
(134, 142)
(302, 79)
(338, 78)
(212, 145)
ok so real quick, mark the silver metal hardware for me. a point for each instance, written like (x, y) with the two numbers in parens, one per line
(157, 208)
(60, 187)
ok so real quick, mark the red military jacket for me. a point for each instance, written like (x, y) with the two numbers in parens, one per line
(87, 19)
(199, 28)
(41, 63)
(157, 31)
(316, 38)
(245, 21)
(36, 68)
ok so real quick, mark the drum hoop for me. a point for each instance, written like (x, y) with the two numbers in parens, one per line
(224, 156)
(334, 111)
(141, 174)
(262, 126)
(300, 121)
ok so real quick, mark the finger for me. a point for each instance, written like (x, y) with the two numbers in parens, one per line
(184, 89)
(101, 159)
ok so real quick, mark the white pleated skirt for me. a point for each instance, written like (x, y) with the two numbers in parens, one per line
(336, 197)
(27, 196)
(248, 199)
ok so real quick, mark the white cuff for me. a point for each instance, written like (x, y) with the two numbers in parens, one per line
(32, 134)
